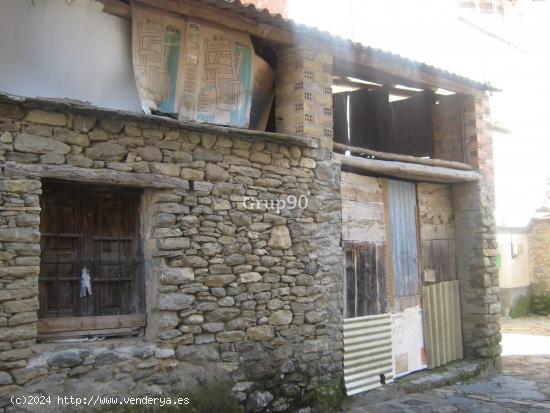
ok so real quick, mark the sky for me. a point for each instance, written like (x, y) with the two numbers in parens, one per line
(516, 59)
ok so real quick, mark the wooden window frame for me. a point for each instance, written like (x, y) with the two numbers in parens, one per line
(99, 325)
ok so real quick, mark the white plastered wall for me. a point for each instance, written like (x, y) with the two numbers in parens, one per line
(66, 49)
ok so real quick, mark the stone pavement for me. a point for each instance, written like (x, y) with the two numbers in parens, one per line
(522, 386)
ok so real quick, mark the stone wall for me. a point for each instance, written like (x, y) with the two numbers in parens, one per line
(539, 259)
(253, 295)
(475, 237)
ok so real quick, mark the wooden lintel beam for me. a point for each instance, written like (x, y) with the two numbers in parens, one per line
(402, 158)
(95, 176)
(117, 8)
(408, 171)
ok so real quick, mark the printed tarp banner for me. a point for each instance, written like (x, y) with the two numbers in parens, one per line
(199, 71)
(157, 55)
(408, 341)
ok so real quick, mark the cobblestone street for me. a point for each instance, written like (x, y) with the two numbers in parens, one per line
(522, 386)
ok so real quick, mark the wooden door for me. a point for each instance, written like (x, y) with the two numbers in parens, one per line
(93, 228)
(404, 242)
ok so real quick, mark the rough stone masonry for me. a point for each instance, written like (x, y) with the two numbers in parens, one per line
(250, 295)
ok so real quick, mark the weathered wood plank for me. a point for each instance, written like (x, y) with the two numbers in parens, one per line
(363, 230)
(403, 158)
(408, 171)
(96, 176)
(350, 284)
(57, 325)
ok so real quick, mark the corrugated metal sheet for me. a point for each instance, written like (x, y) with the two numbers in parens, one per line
(402, 206)
(367, 352)
(442, 323)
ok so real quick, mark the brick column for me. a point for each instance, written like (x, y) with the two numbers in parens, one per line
(303, 93)
(476, 245)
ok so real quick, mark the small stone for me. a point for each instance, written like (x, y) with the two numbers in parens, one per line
(84, 123)
(275, 304)
(219, 280)
(46, 117)
(234, 259)
(108, 357)
(52, 158)
(226, 302)
(258, 401)
(168, 319)
(192, 174)
(5, 378)
(205, 338)
(215, 173)
(39, 144)
(223, 314)
(70, 137)
(143, 352)
(295, 152)
(80, 161)
(208, 141)
(212, 327)
(211, 248)
(111, 125)
(280, 238)
(165, 220)
(175, 301)
(164, 353)
(6, 137)
(98, 135)
(250, 277)
(230, 336)
(288, 367)
(19, 185)
(194, 261)
(194, 319)
(307, 163)
(201, 154)
(240, 219)
(260, 157)
(106, 151)
(198, 353)
(26, 374)
(176, 276)
(281, 317)
(150, 154)
(69, 358)
(259, 333)
(19, 235)
(173, 243)
(169, 169)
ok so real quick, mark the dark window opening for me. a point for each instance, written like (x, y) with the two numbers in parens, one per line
(90, 278)
(378, 118)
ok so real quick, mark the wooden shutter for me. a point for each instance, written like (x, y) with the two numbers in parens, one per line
(96, 228)
(365, 283)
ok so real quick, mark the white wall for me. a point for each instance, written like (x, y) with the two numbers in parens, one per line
(513, 272)
(66, 49)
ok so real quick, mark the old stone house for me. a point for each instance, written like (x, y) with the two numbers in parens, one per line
(130, 262)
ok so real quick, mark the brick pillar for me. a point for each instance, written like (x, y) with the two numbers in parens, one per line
(476, 245)
(303, 93)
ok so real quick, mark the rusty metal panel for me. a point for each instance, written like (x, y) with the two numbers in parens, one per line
(404, 234)
(442, 323)
(367, 352)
